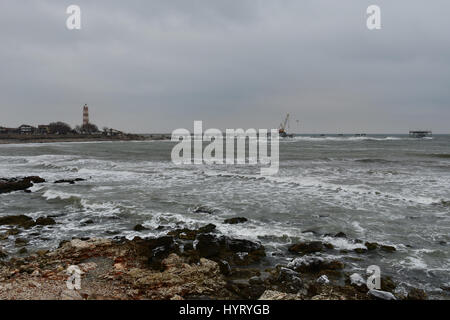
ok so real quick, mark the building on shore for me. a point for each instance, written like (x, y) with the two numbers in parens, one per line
(27, 129)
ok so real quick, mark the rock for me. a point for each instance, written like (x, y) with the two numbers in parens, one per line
(323, 279)
(276, 295)
(235, 251)
(87, 222)
(357, 280)
(306, 247)
(388, 248)
(139, 228)
(315, 264)
(18, 184)
(208, 246)
(340, 235)
(289, 280)
(23, 251)
(381, 295)
(69, 181)
(255, 280)
(207, 229)
(225, 267)
(47, 221)
(360, 250)
(3, 254)
(235, 220)
(387, 284)
(21, 242)
(371, 245)
(203, 209)
(19, 220)
(416, 294)
(244, 290)
(188, 234)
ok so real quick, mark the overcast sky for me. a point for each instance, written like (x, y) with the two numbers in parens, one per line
(154, 66)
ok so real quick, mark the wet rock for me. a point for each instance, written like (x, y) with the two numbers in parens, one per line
(188, 234)
(207, 229)
(139, 228)
(360, 250)
(371, 245)
(225, 267)
(235, 220)
(255, 280)
(21, 242)
(87, 222)
(203, 209)
(3, 254)
(69, 181)
(387, 284)
(47, 221)
(289, 281)
(18, 184)
(388, 248)
(381, 295)
(235, 251)
(306, 247)
(208, 246)
(315, 264)
(416, 294)
(245, 290)
(340, 235)
(161, 248)
(19, 221)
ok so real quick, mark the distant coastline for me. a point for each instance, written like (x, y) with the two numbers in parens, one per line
(49, 138)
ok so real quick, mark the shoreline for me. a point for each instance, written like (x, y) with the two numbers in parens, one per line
(23, 139)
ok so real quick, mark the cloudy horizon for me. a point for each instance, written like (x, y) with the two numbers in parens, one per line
(154, 66)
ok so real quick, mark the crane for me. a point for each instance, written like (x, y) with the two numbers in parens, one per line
(282, 130)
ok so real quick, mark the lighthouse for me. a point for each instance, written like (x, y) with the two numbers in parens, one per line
(85, 115)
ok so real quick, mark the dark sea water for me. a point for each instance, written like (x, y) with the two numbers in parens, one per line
(389, 189)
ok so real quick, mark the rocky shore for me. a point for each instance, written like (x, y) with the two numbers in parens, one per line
(10, 139)
(182, 264)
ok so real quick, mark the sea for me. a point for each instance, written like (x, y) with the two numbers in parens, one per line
(389, 189)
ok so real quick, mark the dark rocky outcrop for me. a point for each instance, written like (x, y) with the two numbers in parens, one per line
(307, 247)
(25, 222)
(235, 220)
(45, 221)
(315, 264)
(69, 181)
(18, 184)
(139, 228)
(19, 221)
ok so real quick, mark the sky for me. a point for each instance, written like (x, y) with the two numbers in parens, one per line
(157, 65)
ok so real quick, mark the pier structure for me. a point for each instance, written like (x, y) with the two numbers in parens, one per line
(420, 133)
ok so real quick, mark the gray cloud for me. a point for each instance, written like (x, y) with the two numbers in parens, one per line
(153, 66)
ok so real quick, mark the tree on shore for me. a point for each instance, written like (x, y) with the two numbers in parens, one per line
(90, 128)
(59, 128)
